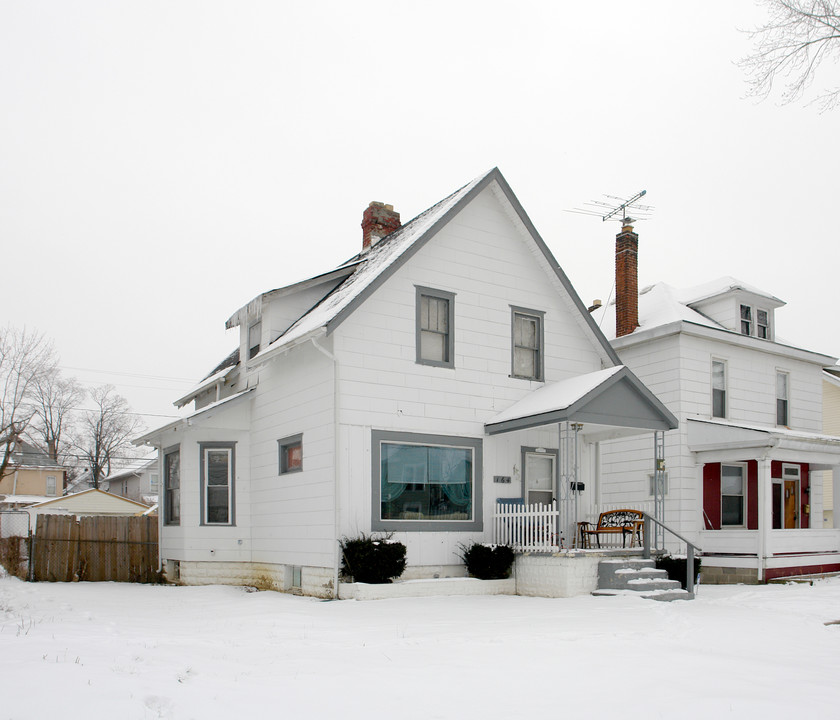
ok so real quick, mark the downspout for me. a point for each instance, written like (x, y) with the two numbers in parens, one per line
(337, 450)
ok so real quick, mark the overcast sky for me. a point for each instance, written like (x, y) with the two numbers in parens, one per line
(162, 163)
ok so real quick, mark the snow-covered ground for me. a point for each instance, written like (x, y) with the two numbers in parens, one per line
(135, 651)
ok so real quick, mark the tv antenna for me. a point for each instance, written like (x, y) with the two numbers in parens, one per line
(615, 208)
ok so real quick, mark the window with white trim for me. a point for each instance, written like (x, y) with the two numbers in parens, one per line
(746, 320)
(732, 495)
(51, 484)
(217, 473)
(718, 388)
(762, 324)
(782, 393)
(426, 482)
(527, 343)
(435, 327)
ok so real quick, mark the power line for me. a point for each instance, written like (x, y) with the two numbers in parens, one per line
(126, 374)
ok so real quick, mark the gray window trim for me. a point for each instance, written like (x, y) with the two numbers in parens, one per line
(167, 512)
(202, 502)
(540, 315)
(450, 338)
(281, 450)
(377, 523)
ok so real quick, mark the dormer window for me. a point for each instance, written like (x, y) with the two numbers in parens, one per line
(746, 320)
(762, 324)
(254, 335)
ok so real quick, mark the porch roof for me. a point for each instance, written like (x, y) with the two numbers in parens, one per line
(725, 440)
(614, 397)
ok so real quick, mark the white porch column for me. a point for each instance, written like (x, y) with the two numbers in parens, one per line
(765, 514)
(835, 488)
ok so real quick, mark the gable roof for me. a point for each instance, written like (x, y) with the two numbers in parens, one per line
(374, 266)
(92, 500)
(26, 455)
(612, 397)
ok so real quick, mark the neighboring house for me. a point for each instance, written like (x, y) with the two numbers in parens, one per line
(444, 366)
(87, 502)
(831, 426)
(32, 473)
(140, 483)
(751, 436)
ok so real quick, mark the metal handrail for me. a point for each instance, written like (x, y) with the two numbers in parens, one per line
(690, 548)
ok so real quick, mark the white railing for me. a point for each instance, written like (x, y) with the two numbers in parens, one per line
(526, 528)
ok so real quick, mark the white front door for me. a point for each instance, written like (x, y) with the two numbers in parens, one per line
(540, 476)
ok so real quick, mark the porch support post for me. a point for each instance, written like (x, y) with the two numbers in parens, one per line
(765, 514)
(835, 487)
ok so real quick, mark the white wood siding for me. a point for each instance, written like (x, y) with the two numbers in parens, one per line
(482, 258)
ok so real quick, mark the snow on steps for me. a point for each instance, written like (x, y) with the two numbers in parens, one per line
(638, 577)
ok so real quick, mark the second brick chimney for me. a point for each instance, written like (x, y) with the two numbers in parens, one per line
(378, 221)
(626, 280)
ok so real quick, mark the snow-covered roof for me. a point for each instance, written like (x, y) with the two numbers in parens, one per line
(135, 470)
(613, 397)
(721, 286)
(143, 439)
(22, 499)
(218, 375)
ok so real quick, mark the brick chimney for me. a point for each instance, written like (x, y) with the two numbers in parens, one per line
(626, 280)
(378, 221)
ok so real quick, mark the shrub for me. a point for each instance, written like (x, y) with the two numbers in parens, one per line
(372, 560)
(677, 567)
(487, 562)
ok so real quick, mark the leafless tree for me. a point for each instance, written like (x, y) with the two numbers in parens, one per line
(105, 432)
(26, 358)
(798, 36)
(54, 398)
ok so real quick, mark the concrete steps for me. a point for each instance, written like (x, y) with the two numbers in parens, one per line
(638, 576)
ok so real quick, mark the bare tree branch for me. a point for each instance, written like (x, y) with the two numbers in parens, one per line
(105, 432)
(26, 358)
(54, 398)
(797, 38)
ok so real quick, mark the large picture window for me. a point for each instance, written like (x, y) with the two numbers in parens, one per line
(426, 482)
(172, 487)
(217, 473)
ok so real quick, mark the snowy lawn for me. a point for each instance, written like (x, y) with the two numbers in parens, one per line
(135, 651)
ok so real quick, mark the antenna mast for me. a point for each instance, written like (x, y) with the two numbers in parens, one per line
(611, 210)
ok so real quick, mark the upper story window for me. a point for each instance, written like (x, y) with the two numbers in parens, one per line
(762, 324)
(718, 388)
(50, 484)
(782, 393)
(746, 320)
(217, 473)
(527, 343)
(254, 336)
(172, 487)
(435, 327)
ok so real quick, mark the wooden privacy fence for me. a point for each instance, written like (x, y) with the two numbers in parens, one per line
(95, 549)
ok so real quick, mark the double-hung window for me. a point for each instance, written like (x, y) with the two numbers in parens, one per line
(172, 487)
(527, 343)
(718, 388)
(746, 320)
(217, 473)
(435, 327)
(782, 392)
(50, 485)
(426, 482)
(762, 324)
(732, 487)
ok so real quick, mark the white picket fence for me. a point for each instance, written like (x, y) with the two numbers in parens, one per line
(533, 528)
(526, 528)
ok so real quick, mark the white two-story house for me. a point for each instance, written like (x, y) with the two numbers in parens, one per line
(745, 468)
(405, 391)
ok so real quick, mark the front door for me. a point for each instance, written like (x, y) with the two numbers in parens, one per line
(540, 478)
(790, 503)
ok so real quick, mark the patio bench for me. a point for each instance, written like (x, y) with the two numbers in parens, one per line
(611, 523)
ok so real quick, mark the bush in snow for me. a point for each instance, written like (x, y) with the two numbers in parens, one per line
(487, 562)
(372, 560)
(677, 567)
